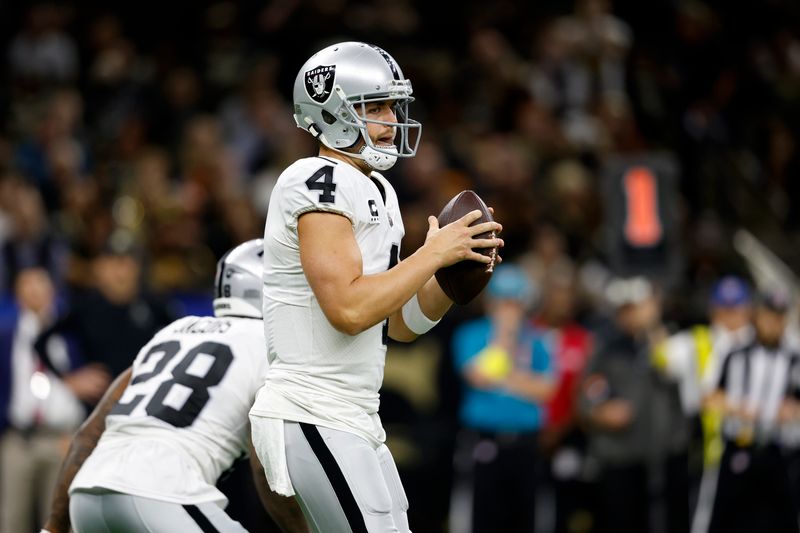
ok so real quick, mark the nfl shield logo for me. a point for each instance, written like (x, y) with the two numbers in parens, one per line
(319, 82)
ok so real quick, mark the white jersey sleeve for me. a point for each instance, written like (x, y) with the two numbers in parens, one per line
(318, 374)
(182, 420)
(309, 185)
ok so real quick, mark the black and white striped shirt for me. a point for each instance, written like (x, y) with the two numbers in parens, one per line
(756, 380)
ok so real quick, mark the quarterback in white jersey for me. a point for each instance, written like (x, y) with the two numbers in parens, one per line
(334, 292)
(339, 373)
(180, 422)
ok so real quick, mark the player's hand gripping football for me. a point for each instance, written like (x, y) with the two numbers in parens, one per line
(454, 242)
(497, 257)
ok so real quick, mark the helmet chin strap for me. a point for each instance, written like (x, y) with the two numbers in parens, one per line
(378, 160)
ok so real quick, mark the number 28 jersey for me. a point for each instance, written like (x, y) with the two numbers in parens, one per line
(183, 419)
(317, 374)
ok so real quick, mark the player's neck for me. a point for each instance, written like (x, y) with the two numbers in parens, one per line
(359, 164)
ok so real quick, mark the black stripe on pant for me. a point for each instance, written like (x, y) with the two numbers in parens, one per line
(336, 478)
(197, 515)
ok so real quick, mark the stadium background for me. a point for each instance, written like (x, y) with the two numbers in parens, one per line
(159, 128)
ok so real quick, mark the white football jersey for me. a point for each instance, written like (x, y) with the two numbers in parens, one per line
(183, 419)
(318, 374)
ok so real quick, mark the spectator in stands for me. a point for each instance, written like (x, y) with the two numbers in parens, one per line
(32, 240)
(582, 68)
(43, 51)
(53, 154)
(506, 372)
(546, 255)
(43, 410)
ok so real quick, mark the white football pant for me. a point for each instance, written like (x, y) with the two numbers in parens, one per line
(115, 512)
(342, 484)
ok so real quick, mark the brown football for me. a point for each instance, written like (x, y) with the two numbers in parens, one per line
(464, 280)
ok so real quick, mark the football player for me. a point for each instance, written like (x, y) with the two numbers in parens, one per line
(175, 421)
(334, 292)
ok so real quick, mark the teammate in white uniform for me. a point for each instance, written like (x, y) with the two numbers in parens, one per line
(334, 291)
(180, 422)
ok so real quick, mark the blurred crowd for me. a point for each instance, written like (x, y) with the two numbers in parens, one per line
(637, 154)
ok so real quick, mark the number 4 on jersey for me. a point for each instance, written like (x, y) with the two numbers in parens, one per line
(322, 180)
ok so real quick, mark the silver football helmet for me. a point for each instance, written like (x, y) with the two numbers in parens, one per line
(330, 96)
(237, 284)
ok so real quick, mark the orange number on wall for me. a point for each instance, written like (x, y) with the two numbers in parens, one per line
(642, 223)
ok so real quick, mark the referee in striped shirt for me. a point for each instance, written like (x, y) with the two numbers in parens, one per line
(758, 391)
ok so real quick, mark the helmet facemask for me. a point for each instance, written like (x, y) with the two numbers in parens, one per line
(408, 129)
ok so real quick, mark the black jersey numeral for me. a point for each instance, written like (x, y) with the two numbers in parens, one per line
(394, 258)
(322, 180)
(197, 385)
(168, 350)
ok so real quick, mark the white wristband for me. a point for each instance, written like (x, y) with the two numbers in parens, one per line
(415, 319)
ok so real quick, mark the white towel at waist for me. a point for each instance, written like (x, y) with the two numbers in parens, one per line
(268, 441)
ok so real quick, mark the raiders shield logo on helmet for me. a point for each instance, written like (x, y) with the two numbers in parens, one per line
(319, 82)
